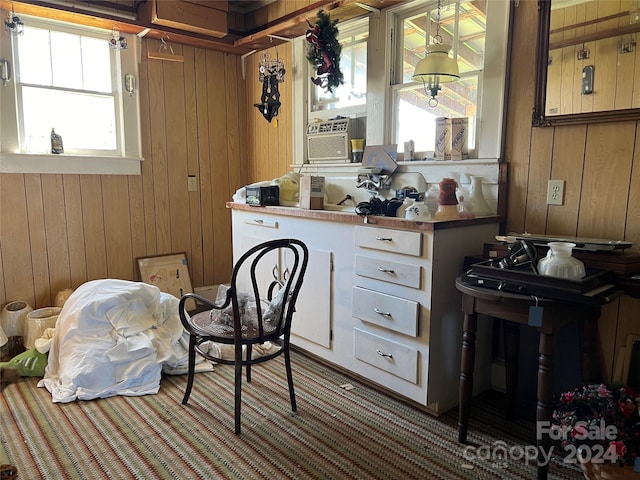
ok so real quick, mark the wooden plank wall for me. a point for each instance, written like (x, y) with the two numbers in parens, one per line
(58, 231)
(601, 166)
(270, 144)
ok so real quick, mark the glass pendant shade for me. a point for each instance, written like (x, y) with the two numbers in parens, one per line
(437, 67)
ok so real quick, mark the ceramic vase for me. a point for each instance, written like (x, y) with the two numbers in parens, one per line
(477, 202)
(431, 198)
(417, 211)
(402, 209)
(447, 201)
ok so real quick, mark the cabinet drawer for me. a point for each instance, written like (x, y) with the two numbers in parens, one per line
(395, 313)
(395, 358)
(389, 240)
(387, 271)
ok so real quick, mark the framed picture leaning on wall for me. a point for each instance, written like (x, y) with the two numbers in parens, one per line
(169, 273)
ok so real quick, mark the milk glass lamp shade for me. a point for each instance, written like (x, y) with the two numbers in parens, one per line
(437, 67)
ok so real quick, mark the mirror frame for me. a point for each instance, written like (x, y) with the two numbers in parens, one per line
(539, 119)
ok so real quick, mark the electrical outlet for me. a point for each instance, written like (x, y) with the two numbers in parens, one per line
(192, 183)
(555, 192)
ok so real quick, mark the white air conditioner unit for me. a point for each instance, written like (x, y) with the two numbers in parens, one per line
(329, 141)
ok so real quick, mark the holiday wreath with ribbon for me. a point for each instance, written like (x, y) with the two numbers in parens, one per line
(323, 52)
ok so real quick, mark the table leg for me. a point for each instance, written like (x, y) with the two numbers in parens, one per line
(545, 395)
(511, 349)
(590, 369)
(466, 373)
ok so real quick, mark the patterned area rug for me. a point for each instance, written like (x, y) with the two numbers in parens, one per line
(359, 433)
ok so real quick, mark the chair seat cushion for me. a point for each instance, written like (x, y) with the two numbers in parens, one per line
(219, 323)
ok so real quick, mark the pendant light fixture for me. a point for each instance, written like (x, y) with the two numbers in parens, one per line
(436, 67)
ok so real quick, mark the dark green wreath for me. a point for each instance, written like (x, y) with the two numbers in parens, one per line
(323, 52)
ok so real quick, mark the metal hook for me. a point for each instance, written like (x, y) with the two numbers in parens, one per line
(164, 45)
(535, 298)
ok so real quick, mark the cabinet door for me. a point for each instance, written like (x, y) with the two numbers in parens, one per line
(312, 319)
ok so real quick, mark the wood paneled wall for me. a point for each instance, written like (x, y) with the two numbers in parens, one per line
(270, 145)
(59, 231)
(601, 166)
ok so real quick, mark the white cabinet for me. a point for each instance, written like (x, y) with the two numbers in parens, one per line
(380, 302)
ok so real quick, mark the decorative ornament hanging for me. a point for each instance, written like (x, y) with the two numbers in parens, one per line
(270, 73)
(323, 52)
(117, 41)
(13, 24)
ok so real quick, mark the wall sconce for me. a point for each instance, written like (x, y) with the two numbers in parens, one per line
(626, 46)
(116, 40)
(130, 83)
(13, 24)
(436, 67)
(584, 53)
(5, 72)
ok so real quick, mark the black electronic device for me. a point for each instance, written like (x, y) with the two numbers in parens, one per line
(262, 196)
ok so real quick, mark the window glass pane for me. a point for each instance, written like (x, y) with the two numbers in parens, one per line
(86, 122)
(416, 119)
(353, 64)
(66, 60)
(34, 53)
(96, 65)
(472, 32)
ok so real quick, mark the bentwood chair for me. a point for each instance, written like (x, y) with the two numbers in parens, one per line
(253, 313)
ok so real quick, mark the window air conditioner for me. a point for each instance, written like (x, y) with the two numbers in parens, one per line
(329, 141)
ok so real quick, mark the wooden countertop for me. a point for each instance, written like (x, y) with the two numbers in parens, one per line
(350, 217)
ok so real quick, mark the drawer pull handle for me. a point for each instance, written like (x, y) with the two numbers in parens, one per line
(257, 220)
(382, 354)
(384, 239)
(380, 312)
(386, 270)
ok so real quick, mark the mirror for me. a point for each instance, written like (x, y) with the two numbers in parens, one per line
(587, 62)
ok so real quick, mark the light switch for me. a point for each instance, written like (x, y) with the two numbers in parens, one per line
(192, 183)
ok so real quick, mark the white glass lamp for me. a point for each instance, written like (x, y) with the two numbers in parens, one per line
(436, 68)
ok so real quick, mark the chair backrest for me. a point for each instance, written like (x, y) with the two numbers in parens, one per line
(265, 284)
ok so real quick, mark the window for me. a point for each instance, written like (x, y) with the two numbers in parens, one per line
(67, 78)
(396, 108)
(462, 25)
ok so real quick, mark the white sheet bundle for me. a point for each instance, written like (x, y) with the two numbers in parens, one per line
(115, 337)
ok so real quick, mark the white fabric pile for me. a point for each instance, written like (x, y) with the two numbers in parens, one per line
(115, 337)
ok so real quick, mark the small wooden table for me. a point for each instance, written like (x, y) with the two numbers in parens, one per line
(515, 309)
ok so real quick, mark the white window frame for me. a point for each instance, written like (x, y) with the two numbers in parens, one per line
(14, 159)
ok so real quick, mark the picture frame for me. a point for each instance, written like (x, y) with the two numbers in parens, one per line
(170, 273)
